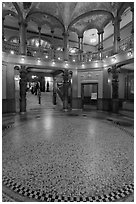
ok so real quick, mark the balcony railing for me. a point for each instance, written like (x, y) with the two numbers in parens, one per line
(126, 43)
(50, 54)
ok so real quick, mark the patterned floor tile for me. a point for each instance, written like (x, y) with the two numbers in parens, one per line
(62, 158)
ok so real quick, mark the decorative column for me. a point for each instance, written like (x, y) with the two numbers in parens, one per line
(70, 89)
(52, 47)
(22, 38)
(3, 37)
(66, 54)
(80, 47)
(132, 31)
(100, 43)
(54, 90)
(115, 81)
(23, 87)
(23, 72)
(65, 89)
(116, 24)
(39, 29)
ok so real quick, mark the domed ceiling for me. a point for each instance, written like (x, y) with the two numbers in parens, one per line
(60, 17)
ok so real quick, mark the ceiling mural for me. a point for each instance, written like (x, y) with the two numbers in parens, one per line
(8, 6)
(84, 7)
(90, 21)
(41, 19)
(76, 17)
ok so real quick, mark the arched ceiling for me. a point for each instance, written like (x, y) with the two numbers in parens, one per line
(62, 14)
(76, 17)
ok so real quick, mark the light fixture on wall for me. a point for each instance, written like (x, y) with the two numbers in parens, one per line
(39, 60)
(129, 54)
(66, 63)
(12, 52)
(22, 58)
(113, 59)
(53, 63)
(74, 60)
(34, 76)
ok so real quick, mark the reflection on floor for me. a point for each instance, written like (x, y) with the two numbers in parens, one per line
(49, 155)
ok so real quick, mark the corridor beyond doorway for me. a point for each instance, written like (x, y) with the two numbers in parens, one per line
(33, 101)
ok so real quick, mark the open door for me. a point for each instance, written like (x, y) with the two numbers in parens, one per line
(89, 96)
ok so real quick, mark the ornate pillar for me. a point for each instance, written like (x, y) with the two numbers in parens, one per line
(80, 47)
(22, 38)
(65, 38)
(39, 29)
(100, 43)
(132, 31)
(52, 47)
(116, 24)
(65, 89)
(115, 87)
(3, 37)
(23, 87)
(54, 90)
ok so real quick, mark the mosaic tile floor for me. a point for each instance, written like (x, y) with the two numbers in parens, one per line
(60, 158)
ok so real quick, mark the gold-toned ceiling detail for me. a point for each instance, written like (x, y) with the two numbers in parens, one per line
(8, 6)
(62, 17)
(90, 21)
(44, 19)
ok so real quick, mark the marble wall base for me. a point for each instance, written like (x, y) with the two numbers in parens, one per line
(76, 103)
(104, 104)
(115, 105)
(8, 106)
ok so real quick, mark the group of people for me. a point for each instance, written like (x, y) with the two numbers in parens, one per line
(35, 89)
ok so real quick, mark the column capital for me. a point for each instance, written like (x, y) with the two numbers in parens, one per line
(22, 23)
(80, 35)
(39, 28)
(116, 20)
(65, 34)
(100, 32)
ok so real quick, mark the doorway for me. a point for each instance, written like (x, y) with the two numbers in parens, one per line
(89, 96)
